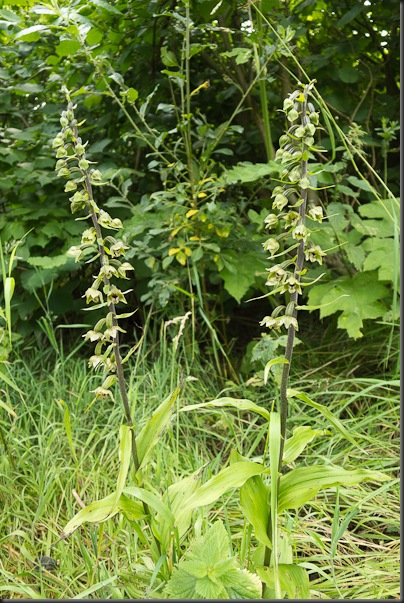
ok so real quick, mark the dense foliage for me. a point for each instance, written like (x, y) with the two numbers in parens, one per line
(181, 110)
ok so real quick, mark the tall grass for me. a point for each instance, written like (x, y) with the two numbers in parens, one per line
(348, 554)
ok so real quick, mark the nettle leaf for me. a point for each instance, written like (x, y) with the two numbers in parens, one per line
(49, 262)
(209, 571)
(382, 256)
(384, 217)
(357, 298)
(250, 172)
(240, 276)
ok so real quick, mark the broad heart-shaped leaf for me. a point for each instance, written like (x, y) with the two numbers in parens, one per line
(208, 571)
(101, 510)
(357, 298)
(230, 477)
(295, 445)
(293, 579)
(336, 423)
(301, 485)
(254, 502)
(240, 404)
(149, 435)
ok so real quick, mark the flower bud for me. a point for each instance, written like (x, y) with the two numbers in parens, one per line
(83, 164)
(70, 186)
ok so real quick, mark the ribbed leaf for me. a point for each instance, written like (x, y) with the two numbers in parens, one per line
(149, 435)
(301, 485)
(241, 404)
(336, 423)
(293, 579)
(296, 444)
(254, 502)
(231, 477)
(101, 510)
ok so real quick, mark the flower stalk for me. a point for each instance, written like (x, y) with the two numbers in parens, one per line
(72, 161)
(286, 278)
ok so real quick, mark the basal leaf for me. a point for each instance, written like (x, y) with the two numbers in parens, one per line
(335, 422)
(240, 404)
(293, 579)
(301, 485)
(101, 510)
(230, 477)
(254, 502)
(149, 435)
(295, 445)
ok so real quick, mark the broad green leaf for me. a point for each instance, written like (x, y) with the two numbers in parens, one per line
(249, 172)
(168, 57)
(240, 276)
(241, 404)
(295, 445)
(132, 95)
(66, 48)
(349, 75)
(151, 500)
(357, 298)
(293, 579)
(382, 256)
(254, 502)
(350, 15)
(31, 34)
(363, 184)
(240, 54)
(101, 510)
(28, 88)
(94, 36)
(271, 363)
(336, 423)
(301, 485)
(175, 497)
(106, 6)
(49, 262)
(230, 477)
(125, 451)
(151, 432)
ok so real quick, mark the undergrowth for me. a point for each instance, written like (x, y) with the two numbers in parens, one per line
(48, 474)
